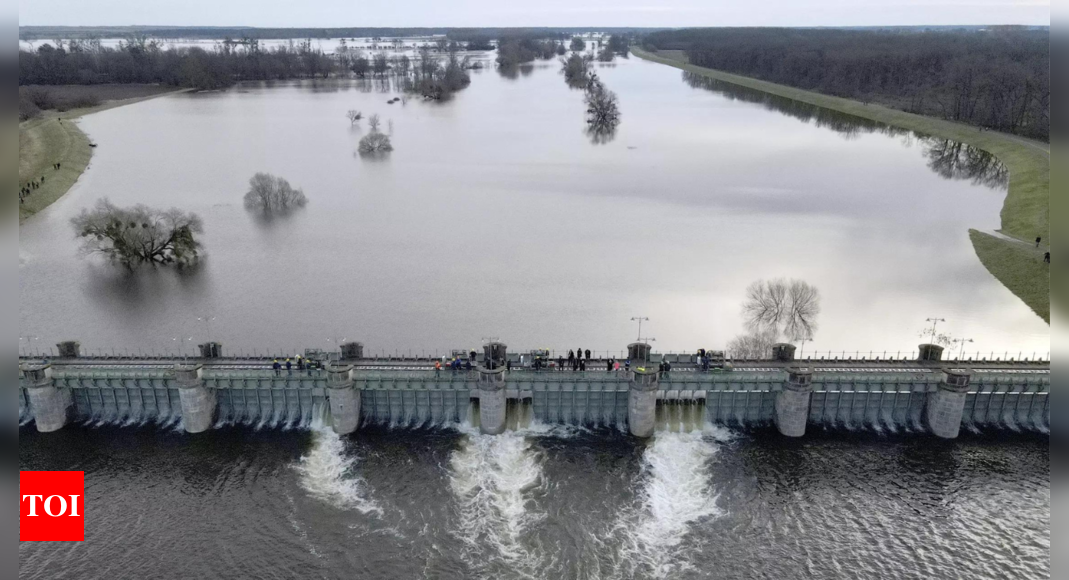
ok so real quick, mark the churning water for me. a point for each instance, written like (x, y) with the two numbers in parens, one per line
(542, 502)
(330, 473)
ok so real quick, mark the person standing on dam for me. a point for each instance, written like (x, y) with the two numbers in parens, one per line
(289, 367)
(437, 368)
(277, 367)
(587, 353)
(608, 364)
(560, 362)
(571, 359)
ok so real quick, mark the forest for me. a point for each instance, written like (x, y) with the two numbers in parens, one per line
(997, 78)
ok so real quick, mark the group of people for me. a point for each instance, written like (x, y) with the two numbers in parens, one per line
(35, 184)
(302, 364)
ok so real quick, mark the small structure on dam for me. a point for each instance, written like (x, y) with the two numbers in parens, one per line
(920, 394)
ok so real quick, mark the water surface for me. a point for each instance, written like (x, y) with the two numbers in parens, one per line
(546, 503)
(496, 215)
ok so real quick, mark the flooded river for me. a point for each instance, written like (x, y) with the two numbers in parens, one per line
(497, 216)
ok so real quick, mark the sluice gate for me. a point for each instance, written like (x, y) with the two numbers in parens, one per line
(927, 398)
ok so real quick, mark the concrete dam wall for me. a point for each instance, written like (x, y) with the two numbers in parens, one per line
(888, 397)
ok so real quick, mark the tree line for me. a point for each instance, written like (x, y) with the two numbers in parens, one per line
(997, 78)
(143, 60)
(435, 72)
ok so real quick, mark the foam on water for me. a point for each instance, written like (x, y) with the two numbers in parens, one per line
(674, 494)
(492, 477)
(328, 471)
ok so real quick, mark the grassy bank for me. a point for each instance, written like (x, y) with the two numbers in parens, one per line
(1018, 267)
(54, 137)
(1025, 213)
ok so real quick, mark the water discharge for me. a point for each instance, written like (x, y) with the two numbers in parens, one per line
(675, 493)
(328, 471)
(492, 478)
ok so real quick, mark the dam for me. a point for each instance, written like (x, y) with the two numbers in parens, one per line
(500, 390)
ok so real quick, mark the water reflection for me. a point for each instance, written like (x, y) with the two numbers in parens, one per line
(954, 160)
(600, 134)
(947, 158)
(849, 126)
(514, 72)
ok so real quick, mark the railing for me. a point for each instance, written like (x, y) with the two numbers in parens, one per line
(426, 356)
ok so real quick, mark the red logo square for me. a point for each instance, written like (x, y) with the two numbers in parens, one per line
(51, 506)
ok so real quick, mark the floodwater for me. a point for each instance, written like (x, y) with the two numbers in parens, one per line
(498, 216)
(545, 503)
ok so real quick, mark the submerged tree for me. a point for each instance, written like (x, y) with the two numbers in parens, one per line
(269, 193)
(576, 69)
(139, 234)
(354, 116)
(577, 44)
(782, 308)
(375, 142)
(602, 112)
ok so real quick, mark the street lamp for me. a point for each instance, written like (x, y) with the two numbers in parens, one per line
(934, 322)
(639, 319)
(962, 341)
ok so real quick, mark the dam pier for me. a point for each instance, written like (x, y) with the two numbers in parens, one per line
(499, 390)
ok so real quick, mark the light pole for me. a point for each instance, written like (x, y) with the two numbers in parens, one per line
(962, 341)
(29, 342)
(934, 322)
(639, 319)
(489, 340)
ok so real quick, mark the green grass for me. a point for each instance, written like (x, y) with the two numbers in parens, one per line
(1025, 212)
(46, 140)
(43, 142)
(1017, 266)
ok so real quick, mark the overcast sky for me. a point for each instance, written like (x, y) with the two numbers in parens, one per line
(675, 13)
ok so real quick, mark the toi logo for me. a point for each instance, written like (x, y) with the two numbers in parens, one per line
(51, 506)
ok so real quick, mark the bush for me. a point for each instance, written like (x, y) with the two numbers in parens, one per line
(375, 143)
(27, 109)
(270, 193)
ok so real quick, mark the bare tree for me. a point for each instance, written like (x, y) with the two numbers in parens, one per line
(601, 107)
(354, 116)
(380, 65)
(139, 234)
(753, 345)
(783, 308)
(374, 122)
(269, 193)
(374, 143)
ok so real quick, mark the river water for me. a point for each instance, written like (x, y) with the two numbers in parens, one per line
(545, 503)
(497, 216)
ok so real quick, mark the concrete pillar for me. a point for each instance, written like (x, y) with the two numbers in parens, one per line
(494, 354)
(50, 405)
(929, 353)
(198, 401)
(792, 403)
(783, 352)
(639, 353)
(946, 404)
(69, 349)
(210, 350)
(492, 405)
(344, 400)
(352, 350)
(642, 402)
